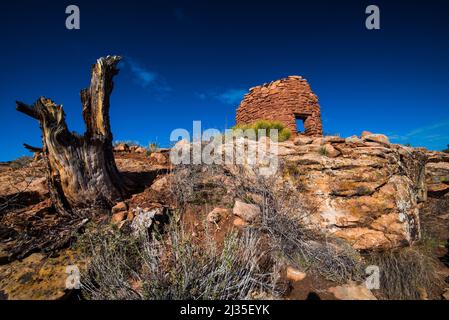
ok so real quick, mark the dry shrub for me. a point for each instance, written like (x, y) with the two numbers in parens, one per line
(113, 259)
(407, 273)
(285, 218)
(21, 162)
(307, 249)
(197, 184)
(174, 266)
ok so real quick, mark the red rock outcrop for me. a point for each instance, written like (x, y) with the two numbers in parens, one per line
(284, 100)
(437, 174)
(369, 193)
(366, 192)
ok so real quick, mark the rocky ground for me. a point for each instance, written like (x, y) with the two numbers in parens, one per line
(363, 195)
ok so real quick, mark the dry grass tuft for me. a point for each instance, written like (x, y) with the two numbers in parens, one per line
(407, 273)
(174, 266)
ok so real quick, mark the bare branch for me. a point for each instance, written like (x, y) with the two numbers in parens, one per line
(32, 149)
(26, 109)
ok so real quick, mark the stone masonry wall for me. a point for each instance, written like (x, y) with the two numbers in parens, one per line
(284, 100)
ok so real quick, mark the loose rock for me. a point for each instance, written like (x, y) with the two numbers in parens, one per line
(119, 207)
(216, 215)
(248, 212)
(295, 275)
(143, 220)
(160, 185)
(239, 222)
(301, 140)
(118, 217)
(380, 138)
(352, 292)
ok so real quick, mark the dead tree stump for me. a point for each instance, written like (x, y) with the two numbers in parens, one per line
(82, 173)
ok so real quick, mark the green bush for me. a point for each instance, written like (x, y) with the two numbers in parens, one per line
(283, 132)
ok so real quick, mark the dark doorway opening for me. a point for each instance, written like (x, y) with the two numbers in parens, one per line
(300, 124)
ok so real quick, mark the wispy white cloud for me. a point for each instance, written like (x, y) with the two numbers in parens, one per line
(431, 128)
(230, 96)
(434, 136)
(145, 77)
(200, 95)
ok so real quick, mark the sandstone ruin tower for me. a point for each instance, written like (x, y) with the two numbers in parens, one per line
(286, 100)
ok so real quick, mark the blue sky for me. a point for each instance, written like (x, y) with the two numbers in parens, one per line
(194, 60)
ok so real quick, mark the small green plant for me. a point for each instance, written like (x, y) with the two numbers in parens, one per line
(283, 132)
(322, 151)
(152, 147)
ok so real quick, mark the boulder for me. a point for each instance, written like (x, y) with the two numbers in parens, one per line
(158, 158)
(122, 147)
(119, 207)
(216, 215)
(333, 139)
(301, 140)
(141, 150)
(248, 212)
(329, 151)
(239, 222)
(354, 140)
(352, 291)
(160, 184)
(365, 133)
(379, 138)
(295, 275)
(118, 217)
